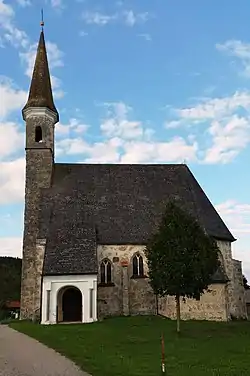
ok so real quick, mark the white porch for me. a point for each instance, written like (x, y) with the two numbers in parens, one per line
(69, 298)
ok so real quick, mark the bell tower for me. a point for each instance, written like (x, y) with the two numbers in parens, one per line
(40, 116)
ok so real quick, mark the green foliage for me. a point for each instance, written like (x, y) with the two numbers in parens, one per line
(10, 279)
(245, 283)
(181, 257)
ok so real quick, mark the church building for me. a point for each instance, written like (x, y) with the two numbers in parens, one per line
(86, 227)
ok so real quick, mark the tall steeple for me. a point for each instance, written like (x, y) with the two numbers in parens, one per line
(40, 94)
(40, 115)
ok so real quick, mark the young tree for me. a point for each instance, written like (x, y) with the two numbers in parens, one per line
(182, 258)
(245, 283)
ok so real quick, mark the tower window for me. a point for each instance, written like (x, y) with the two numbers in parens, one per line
(138, 266)
(38, 134)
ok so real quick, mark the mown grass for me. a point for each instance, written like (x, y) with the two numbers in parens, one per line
(131, 346)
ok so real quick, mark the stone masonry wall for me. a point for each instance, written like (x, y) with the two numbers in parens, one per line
(226, 252)
(40, 251)
(236, 307)
(239, 291)
(127, 296)
(39, 167)
(135, 296)
(211, 306)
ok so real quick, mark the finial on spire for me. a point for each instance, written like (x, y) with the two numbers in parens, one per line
(42, 21)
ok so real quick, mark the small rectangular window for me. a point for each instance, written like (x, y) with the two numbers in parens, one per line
(48, 305)
(91, 301)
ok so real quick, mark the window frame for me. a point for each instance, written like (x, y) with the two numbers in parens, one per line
(138, 266)
(106, 276)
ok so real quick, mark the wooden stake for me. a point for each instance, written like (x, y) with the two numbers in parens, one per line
(162, 355)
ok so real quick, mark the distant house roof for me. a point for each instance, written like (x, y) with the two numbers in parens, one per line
(115, 204)
(13, 304)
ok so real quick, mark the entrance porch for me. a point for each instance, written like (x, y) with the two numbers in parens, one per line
(67, 299)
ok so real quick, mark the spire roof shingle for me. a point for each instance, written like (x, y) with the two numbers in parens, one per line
(40, 94)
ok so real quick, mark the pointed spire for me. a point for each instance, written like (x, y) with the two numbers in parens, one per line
(40, 94)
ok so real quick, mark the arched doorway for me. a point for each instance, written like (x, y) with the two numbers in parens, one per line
(71, 305)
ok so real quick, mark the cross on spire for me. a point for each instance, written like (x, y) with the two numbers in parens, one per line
(42, 21)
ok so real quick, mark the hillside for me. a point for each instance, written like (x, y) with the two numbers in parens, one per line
(10, 279)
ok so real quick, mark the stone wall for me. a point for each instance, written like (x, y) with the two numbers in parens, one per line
(131, 296)
(126, 295)
(239, 291)
(234, 288)
(39, 167)
(211, 306)
(40, 251)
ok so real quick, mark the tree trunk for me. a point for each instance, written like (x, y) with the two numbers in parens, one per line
(178, 312)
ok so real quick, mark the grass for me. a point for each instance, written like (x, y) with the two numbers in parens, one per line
(132, 346)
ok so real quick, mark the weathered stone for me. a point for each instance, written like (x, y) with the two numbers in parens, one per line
(220, 302)
(39, 169)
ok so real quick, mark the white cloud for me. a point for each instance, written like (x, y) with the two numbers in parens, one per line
(98, 18)
(225, 123)
(145, 36)
(212, 108)
(24, 3)
(173, 124)
(118, 150)
(8, 31)
(104, 152)
(83, 33)
(237, 217)
(128, 17)
(75, 125)
(229, 138)
(117, 124)
(57, 3)
(240, 50)
(12, 98)
(12, 181)
(11, 247)
(176, 150)
(131, 18)
(11, 139)
(126, 141)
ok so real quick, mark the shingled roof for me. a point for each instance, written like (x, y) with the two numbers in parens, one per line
(40, 94)
(122, 204)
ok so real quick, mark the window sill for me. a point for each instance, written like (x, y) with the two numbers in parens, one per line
(139, 277)
(110, 284)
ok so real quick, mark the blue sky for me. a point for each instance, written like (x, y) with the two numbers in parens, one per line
(135, 82)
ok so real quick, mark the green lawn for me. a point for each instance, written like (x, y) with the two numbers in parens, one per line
(132, 346)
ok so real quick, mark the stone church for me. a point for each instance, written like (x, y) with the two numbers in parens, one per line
(86, 227)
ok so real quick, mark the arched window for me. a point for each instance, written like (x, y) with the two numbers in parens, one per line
(138, 266)
(38, 134)
(105, 271)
